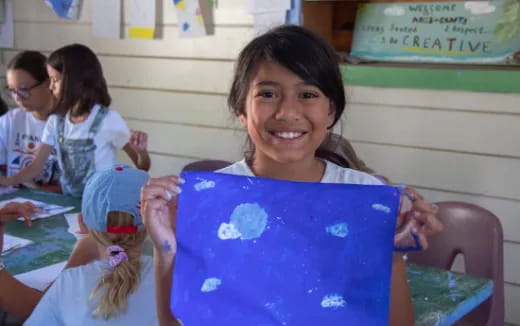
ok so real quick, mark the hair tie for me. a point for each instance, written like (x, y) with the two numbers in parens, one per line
(116, 255)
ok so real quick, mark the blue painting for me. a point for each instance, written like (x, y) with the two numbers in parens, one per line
(67, 9)
(255, 251)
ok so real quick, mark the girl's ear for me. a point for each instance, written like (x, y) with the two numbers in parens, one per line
(243, 120)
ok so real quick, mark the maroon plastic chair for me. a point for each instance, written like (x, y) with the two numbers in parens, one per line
(206, 165)
(477, 234)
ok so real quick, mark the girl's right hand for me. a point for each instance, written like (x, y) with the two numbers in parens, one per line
(159, 210)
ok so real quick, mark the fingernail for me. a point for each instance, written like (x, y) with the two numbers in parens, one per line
(415, 213)
(168, 194)
(181, 181)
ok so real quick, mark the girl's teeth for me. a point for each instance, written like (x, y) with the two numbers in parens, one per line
(288, 135)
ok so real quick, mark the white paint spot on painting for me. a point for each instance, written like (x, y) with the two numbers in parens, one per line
(204, 184)
(228, 231)
(333, 301)
(210, 284)
(250, 220)
(394, 11)
(479, 7)
(381, 208)
(339, 229)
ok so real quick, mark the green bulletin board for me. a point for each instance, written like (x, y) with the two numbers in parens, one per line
(472, 32)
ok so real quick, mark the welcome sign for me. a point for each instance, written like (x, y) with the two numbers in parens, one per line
(442, 32)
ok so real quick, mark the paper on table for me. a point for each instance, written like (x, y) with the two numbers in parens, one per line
(7, 29)
(40, 278)
(142, 19)
(7, 190)
(72, 221)
(11, 243)
(261, 6)
(44, 209)
(106, 18)
(266, 21)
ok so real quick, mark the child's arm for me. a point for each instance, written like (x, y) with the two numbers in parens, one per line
(32, 170)
(401, 308)
(158, 211)
(137, 150)
(15, 297)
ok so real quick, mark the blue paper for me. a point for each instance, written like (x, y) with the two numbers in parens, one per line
(68, 9)
(255, 251)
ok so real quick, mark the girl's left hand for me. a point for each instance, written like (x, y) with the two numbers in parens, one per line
(420, 220)
(139, 141)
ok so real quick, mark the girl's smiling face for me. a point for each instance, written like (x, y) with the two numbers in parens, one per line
(286, 118)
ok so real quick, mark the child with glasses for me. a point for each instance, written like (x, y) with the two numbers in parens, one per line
(84, 132)
(21, 129)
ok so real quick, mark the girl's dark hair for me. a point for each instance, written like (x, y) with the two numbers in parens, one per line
(3, 107)
(82, 82)
(300, 51)
(32, 62)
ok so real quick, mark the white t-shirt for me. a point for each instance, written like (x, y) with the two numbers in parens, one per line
(333, 174)
(20, 136)
(112, 135)
(66, 302)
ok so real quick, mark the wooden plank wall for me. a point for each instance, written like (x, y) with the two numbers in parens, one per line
(451, 145)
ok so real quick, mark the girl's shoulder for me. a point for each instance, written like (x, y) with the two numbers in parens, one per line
(337, 174)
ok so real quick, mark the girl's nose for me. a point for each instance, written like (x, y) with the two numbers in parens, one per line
(288, 108)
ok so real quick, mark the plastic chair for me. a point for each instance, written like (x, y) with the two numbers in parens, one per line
(206, 165)
(477, 234)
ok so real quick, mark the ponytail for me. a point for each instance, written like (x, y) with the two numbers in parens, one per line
(124, 278)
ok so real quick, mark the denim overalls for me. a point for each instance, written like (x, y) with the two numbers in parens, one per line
(77, 156)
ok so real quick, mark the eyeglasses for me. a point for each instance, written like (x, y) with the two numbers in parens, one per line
(23, 92)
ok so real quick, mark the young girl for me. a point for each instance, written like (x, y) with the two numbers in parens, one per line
(118, 289)
(288, 93)
(21, 129)
(85, 133)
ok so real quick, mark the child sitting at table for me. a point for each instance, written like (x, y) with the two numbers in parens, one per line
(118, 289)
(85, 133)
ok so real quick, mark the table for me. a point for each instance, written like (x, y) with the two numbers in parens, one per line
(439, 297)
(52, 242)
(442, 297)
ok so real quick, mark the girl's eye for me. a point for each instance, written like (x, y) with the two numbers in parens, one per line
(267, 94)
(308, 95)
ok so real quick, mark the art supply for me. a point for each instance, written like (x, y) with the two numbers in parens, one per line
(12, 243)
(252, 250)
(44, 210)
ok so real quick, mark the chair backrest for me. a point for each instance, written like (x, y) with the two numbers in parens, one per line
(206, 165)
(477, 234)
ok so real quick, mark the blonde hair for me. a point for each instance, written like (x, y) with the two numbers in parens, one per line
(121, 281)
